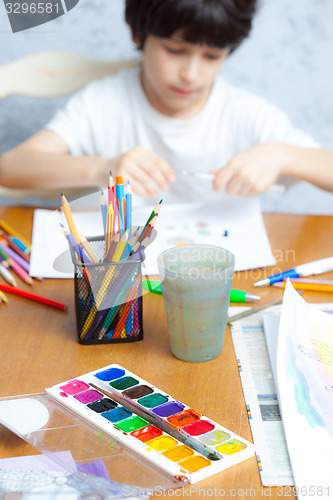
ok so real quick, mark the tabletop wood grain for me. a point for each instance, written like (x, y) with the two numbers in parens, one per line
(39, 347)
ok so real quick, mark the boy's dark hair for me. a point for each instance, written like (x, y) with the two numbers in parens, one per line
(218, 23)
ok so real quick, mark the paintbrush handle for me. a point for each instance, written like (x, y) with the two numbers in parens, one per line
(195, 445)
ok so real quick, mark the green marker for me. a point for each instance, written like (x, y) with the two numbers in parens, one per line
(235, 295)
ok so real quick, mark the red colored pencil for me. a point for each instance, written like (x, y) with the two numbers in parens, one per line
(32, 296)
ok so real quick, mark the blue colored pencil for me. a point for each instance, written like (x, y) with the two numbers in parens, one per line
(104, 209)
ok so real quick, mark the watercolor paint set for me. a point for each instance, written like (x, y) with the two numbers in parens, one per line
(142, 434)
(177, 439)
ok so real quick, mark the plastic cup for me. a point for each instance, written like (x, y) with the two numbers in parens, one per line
(196, 282)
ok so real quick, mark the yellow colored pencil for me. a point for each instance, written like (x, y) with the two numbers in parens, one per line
(120, 247)
(68, 214)
(109, 227)
(10, 230)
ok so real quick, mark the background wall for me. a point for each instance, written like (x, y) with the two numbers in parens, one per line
(287, 58)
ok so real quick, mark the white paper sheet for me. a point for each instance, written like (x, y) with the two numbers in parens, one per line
(235, 224)
(305, 382)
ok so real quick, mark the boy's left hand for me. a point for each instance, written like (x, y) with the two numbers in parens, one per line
(253, 171)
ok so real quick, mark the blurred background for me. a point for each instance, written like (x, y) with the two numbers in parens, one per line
(287, 59)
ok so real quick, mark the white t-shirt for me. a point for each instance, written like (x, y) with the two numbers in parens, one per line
(113, 115)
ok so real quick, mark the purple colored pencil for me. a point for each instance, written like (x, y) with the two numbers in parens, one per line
(13, 255)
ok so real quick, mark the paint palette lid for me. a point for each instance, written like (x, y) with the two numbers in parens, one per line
(95, 457)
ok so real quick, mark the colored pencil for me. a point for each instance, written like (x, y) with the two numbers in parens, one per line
(112, 247)
(104, 209)
(20, 244)
(3, 297)
(7, 275)
(13, 255)
(15, 247)
(84, 242)
(109, 227)
(118, 301)
(316, 281)
(16, 267)
(120, 202)
(79, 250)
(314, 287)
(32, 296)
(139, 248)
(10, 230)
(68, 214)
(152, 215)
(21, 273)
(128, 197)
(120, 247)
(111, 190)
(98, 301)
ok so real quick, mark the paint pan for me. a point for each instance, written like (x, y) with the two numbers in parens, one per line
(162, 431)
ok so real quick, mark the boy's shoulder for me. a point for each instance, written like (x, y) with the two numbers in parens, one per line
(238, 97)
(114, 86)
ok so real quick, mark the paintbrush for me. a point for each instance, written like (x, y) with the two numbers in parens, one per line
(259, 308)
(254, 310)
(130, 405)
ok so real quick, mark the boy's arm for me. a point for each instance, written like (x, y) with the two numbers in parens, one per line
(44, 162)
(253, 171)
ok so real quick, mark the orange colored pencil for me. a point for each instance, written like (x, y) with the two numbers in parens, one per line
(306, 286)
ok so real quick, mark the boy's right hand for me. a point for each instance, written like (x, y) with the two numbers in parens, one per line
(144, 169)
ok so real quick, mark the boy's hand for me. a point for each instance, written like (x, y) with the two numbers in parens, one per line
(144, 169)
(253, 171)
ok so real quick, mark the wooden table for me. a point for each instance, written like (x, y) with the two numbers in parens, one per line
(39, 347)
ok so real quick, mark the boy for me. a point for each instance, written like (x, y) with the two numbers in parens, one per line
(173, 115)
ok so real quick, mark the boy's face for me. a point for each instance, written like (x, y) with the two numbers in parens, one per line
(177, 76)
